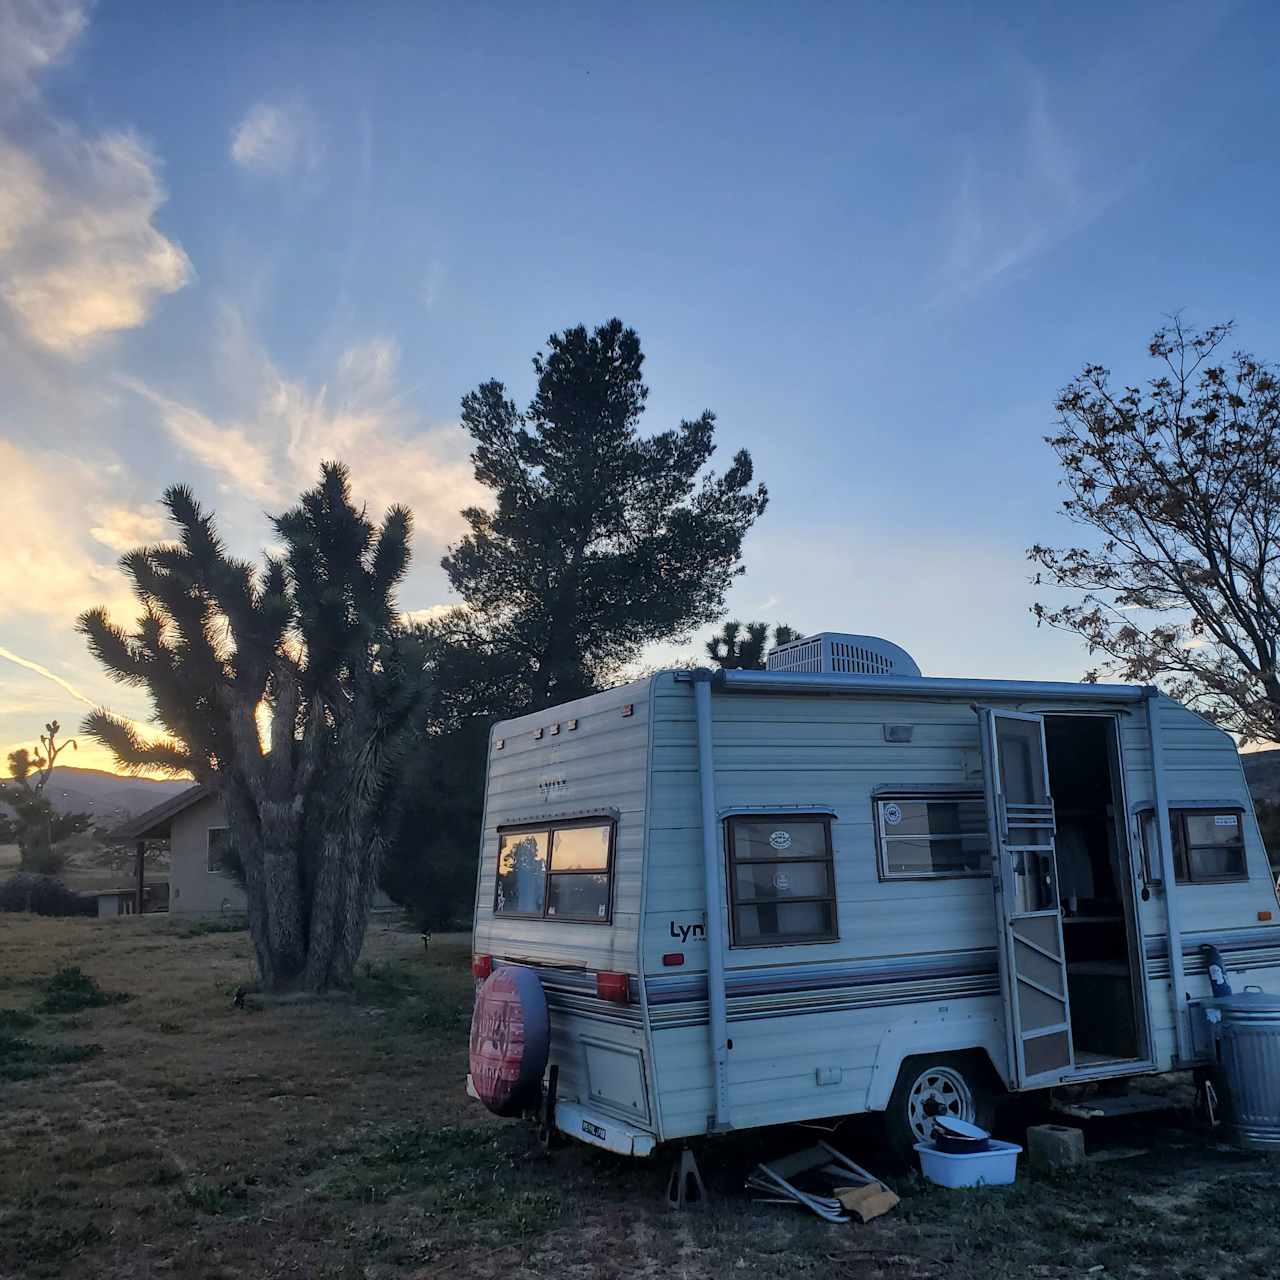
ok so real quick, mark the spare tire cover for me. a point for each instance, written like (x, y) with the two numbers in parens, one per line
(509, 1040)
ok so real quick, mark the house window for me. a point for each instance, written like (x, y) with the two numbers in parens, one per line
(1208, 845)
(218, 849)
(932, 836)
(782, 885)
(560, 871)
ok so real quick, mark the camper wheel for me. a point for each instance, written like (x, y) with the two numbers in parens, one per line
(958, 1085)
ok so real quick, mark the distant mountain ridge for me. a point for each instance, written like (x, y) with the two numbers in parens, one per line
(108, 796)
(1262, 773)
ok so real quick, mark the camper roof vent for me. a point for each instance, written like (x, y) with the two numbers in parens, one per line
(836, 653)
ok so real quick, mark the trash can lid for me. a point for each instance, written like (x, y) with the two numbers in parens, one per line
(1247, 1002)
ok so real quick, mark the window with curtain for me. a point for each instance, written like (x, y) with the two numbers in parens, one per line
(781, 879)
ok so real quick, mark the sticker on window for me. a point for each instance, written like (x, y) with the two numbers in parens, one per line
(781, 881)
(892, 814)
(600, 910)
(780, 839)
(1225, 820)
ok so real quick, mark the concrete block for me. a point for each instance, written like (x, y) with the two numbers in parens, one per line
(1051, 1147)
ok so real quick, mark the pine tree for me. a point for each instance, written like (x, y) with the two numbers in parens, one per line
(309, 644)
(600, 540)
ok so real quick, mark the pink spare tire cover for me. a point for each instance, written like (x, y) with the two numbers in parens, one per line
(509, 1040)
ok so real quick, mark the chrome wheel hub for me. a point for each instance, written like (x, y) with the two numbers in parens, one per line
(936, 1092)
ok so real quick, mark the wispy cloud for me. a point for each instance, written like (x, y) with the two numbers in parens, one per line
(432, 285)
(225, 448)
(273, 447)
(80, 256)
(34, 35)
(429, 614)
(51, 568)
(277, 138)
(123, 528)
(1016, 196)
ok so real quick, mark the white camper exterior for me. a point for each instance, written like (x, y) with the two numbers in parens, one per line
(761, 897)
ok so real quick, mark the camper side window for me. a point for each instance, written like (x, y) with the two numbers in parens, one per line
(1208, 845)
(921, 836)
(782, 885)
(557, 872)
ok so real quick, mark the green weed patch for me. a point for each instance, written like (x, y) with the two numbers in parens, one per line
(20, 1058)
(71, 989)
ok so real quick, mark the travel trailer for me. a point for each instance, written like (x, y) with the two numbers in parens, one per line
(709, 901)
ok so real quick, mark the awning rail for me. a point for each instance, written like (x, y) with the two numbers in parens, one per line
(916, 686)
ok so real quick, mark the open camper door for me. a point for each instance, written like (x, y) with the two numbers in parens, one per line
(1033, 970)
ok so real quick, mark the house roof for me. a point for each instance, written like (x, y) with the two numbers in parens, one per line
(156, 822)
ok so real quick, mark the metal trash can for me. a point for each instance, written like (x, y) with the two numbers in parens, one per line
(1246, 1031)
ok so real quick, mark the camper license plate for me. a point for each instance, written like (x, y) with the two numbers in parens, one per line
(595, 1130)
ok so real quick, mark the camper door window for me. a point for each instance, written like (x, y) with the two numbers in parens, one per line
(925, 837)
(1208, 845)
(556, 872)
(781, 879)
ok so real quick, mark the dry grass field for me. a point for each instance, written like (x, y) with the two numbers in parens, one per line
(172, 1135)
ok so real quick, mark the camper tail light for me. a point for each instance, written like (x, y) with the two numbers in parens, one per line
(481, 966)
(613, 986)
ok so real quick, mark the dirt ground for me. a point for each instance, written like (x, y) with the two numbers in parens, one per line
(334, 1139)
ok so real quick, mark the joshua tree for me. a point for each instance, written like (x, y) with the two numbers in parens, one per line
(744, 646)
(38, 826)
(289, 691)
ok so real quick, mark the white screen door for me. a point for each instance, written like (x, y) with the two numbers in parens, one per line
(1033, 970)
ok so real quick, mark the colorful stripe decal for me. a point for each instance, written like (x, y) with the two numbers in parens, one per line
(775, 991)
(779, 991)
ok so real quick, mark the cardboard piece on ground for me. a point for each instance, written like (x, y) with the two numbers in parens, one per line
(867, 1202)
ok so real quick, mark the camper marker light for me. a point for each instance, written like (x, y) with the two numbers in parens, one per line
(612, 986)
(481, 966)
(673, 958)
(537, 735)
(628, 708)
(1264, 915)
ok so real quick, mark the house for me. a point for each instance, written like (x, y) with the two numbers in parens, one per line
(195, 825)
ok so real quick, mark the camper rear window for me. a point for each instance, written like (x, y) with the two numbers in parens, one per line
(1208, 845)
(556, 872)
(921, 836)
(781, 880)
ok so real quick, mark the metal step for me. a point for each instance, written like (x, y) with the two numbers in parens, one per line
(1108, 1106)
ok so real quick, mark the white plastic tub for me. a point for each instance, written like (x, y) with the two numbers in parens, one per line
(997, 1166)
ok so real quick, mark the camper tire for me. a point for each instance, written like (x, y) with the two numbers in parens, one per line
(958, 1084)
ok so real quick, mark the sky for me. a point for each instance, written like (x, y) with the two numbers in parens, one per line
(236, 239)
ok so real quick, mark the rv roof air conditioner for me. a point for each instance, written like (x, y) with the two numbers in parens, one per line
(838, 653)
